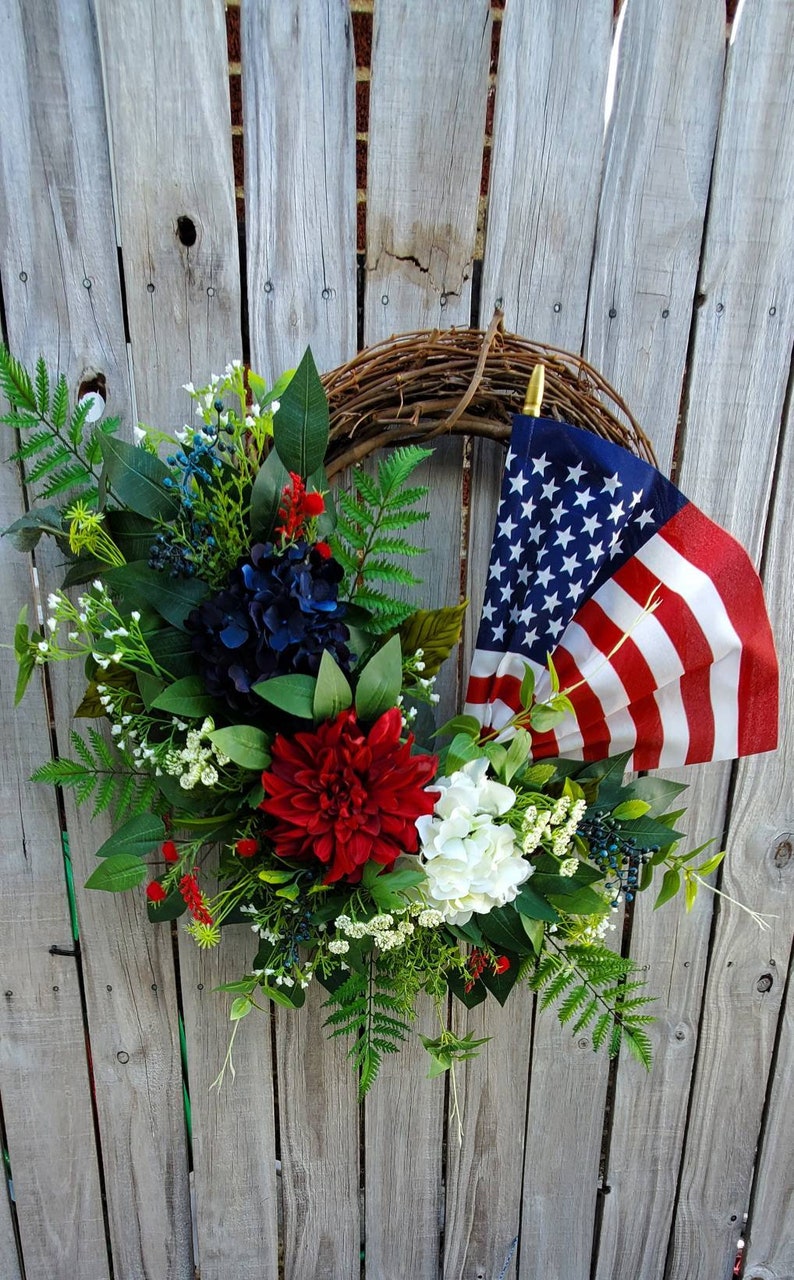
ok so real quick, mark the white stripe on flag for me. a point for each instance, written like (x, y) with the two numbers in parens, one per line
(703, 598)
(656, 647)
(604, 682)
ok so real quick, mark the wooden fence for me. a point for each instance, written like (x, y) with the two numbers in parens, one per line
(663, 250)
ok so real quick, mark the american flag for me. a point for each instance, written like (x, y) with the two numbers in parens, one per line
(586, 534)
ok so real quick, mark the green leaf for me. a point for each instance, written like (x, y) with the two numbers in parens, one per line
(137, 477)
(172, 650)
(142, 587)
(332, 693)
(435, 632)
(171, 908)
(380, 681)
(630, 809)
(529, 903)
(274, 875)
(535, 931)
(658, 792)
(119, 872)
(133, 534)
(711, 864)
(186, 697)
(293, 694)
(27, 665)
(149, 687)
(271, 479)
(461, 749)
(553, 677)
(244, 744)
(544, 716)
(517, 754)
(579, 901)
(240, 1007)
(460, 724)
(502, 926)
(671, 883)
(690, 891)
(527, 690)
(28, 529)
(300, 428)
(137, 837)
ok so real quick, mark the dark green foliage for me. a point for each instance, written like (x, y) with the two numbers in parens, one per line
(591, 984)
(57, 452)
(101, 775)
(368, 1010)
(368, 535)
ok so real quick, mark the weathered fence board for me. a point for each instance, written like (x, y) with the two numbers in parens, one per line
(300, 257)
(422, 193)
(9, 1254)
(427, 116)
(233, 1127)
(47, 1106)
(300, 184)
(657, 170)
(168, 112)
(546, 167)
(738, 373)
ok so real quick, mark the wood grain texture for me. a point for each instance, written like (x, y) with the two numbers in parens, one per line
(653, 202)
(484, 1172)
(167, 92)
(9, 1254)
(298, 85)
(43, 1066)
(770, 1249)
(234, 1145)
(300, 182)
(739, 368)
(546, 167)
(319, 1127)
(657, 169)
(427, 118)
(427, 110)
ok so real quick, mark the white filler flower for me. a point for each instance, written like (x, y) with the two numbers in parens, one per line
(471, 862)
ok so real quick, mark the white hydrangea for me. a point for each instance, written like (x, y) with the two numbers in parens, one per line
(472, 863)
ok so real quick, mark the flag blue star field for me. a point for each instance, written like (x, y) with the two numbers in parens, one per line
(586, 535)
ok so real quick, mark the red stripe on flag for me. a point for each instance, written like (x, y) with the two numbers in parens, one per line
(587, 705)
(635, 675)
(683, 630)
(708, 547)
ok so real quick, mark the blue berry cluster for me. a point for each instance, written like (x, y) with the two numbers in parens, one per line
(300, 934)
(618, 855)
(168, 558)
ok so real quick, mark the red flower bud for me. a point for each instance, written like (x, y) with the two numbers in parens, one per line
(323, 549)
(155, 891)
(170, 851)
(313, 504)
(247, 848)
(501, 964)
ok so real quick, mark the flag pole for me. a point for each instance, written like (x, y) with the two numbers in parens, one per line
(534, 397)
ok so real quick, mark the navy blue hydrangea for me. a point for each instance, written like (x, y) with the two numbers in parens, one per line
(276, 615)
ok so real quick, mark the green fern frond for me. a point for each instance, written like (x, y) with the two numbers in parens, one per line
(15, 381)
(42, 388)
(60, 404)
(359, 1006)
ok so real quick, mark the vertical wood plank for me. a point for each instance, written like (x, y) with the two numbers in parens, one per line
(234, 1149)
(319, 1118)
(427, 117)
(301, 264)
(43, 1068)
(9, 1254)
(62, 299)
(546, 167)
(427, 111)
(167, 91)
(770, 1250)
(542, 207)
(657, 171)
(653, 203)
(738, 371)
(300, 181)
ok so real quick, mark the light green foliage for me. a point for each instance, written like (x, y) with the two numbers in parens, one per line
(368, 538)
(100, 774)
(590, 984)
(368, 1010)
(58, 452)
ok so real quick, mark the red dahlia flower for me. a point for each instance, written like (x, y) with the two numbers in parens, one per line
(345, 796)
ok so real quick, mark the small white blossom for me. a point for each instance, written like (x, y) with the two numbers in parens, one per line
(339, 947)
(569, 867)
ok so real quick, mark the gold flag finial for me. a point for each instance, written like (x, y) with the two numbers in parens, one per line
(534, 397)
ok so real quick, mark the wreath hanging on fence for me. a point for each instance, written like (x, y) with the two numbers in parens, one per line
(245, 643)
